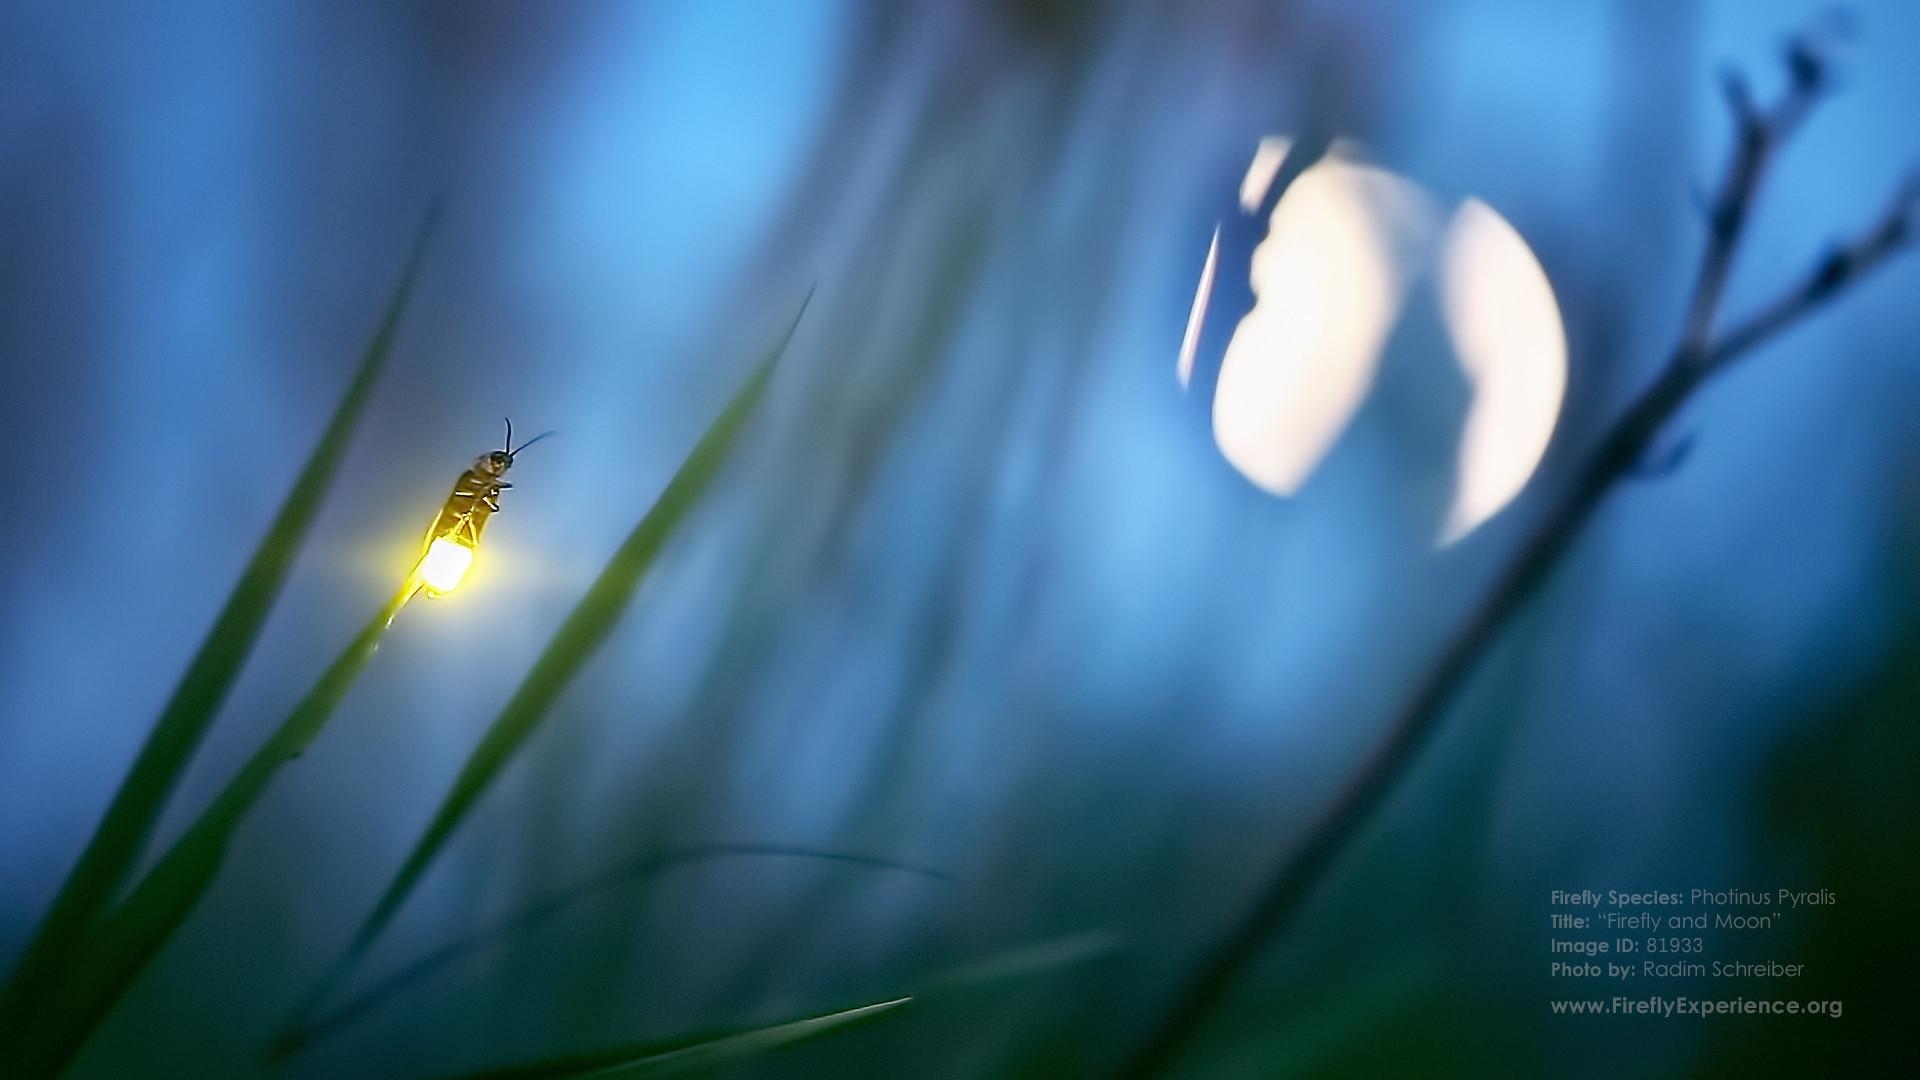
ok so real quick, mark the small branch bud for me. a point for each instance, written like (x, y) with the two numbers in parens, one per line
(1830, 274)
(1906, 207)
(1808, 65)
(1746, 115)
(1813, 55)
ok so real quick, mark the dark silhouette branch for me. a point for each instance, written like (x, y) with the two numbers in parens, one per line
(1758, 135)
(1841, 267)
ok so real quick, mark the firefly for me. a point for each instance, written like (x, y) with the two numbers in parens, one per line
(455, 535)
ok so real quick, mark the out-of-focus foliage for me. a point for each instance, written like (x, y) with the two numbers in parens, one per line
(979, 593)
(1838, 808)
(116, 844)
(86, 951)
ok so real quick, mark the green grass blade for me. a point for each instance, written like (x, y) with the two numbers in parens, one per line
(118, 841)
(745, 1044)
(585, 628)
(675, 1055)
(631, 872)
(663, 1057)
(1026, 962)
(115, 955)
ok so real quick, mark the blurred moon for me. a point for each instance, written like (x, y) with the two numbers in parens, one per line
(1511, 346)
(1328, 282)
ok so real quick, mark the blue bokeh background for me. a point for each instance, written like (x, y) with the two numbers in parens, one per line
(979, 593)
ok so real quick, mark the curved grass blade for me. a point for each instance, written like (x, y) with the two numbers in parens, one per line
(123, 832)
(669, 1056)
(585, 628)
(661, 1058)
(631, 872)
(112, 958)
(1026, 962)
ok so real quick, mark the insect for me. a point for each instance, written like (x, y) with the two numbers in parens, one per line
(455, 534)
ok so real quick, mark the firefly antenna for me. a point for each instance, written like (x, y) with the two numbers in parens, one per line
(516, 450)
(508, 446)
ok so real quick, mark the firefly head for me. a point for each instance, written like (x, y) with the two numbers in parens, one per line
(498, 462)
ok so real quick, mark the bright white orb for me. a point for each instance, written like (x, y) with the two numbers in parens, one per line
(444, 565)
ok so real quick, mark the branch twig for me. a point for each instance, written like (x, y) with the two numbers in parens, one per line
(1758, 135)
(1841, 267)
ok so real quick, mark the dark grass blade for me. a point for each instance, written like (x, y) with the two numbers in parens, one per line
(664, 1057)
(585, 628)
(632, 872)
(114, 956)
(669, 1056)
(123, 832)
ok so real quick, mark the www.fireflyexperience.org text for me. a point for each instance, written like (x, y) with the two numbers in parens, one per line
(1643, 946)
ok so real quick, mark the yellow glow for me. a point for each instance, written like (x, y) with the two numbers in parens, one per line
(1328, 281)
(1506, 329)
(444, 565)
